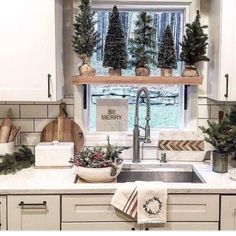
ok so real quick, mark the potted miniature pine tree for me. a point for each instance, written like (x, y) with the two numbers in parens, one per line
(222, 136)
(167, 55)
(85, 37)
(194, 46)
(143, 45)
(115, 52)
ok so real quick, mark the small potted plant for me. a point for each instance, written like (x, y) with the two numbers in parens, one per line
(167, 55)
(99, 164)
(222, 136)
(143, 45)
(115, 53)
(85, 37)
(194, 47)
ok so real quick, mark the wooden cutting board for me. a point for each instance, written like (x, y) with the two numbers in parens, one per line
(64, 130)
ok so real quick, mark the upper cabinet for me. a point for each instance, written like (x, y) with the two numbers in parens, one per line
(222, 50)
(31, 61)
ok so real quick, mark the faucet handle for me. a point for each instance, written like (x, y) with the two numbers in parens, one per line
(147, 134)
(163, 158)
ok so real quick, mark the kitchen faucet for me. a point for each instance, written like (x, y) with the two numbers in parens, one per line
(136, 132)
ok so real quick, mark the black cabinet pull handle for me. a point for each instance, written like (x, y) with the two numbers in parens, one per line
(85, 96)
(146, 228)
(133, 229)
(33, 205)
(49, 86)
(227, 85)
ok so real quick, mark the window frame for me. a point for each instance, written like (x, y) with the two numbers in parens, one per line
(189, 119)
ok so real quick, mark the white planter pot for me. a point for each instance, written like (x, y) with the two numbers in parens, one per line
(97, 175)
(7, 148)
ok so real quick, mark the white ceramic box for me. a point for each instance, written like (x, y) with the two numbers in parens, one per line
(54, 154)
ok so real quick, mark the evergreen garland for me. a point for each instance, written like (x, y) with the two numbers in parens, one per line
(24, 158)
(143, 43)
(85, 37)
(115, 52)
(167, 54)
(194, 44)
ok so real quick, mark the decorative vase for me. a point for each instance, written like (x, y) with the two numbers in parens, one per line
(142, 71)
(114, 72)
(98, 175)
(166, 72)
(85, 69)
(190, 71)
(219, 162)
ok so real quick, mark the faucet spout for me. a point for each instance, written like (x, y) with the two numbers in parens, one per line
(136, 132)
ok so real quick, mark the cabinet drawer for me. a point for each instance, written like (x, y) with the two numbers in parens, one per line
(193, 208)
(99, 226)
(90, 208)
(34, 212)
(184, 226)
(179, 208)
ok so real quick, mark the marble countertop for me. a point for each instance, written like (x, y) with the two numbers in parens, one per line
(61, 181)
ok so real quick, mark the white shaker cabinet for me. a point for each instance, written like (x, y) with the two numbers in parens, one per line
(228, 213)
(222, 50)
(31, 42)
(3, 213)
(34, 212)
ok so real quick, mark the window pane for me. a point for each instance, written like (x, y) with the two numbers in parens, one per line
(165, 100)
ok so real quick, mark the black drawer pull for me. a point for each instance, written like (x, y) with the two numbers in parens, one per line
(33, 205)
(227, 85)
(133, 229)
(49, 86)
(146, 228)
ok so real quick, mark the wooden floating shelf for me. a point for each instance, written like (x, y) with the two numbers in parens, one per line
(136, 80)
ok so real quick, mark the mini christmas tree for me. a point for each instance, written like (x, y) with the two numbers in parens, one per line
(167, 54)
(194, 44)
(85, 36)
(143, 43)
(115, 54)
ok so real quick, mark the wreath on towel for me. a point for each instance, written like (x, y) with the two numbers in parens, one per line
(147, 206)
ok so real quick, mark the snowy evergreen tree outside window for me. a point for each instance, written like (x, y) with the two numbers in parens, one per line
(165, 100)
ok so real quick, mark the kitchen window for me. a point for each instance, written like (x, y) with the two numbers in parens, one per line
(166, 101)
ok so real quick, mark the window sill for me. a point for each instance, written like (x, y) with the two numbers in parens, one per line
(98, 138)
(137, 80)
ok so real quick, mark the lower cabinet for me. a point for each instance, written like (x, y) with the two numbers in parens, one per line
(3, 213)
(34, 212)
(228, 212)
(184, 212)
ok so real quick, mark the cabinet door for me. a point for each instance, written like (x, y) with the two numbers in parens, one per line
(228, 213)
(31, 43)
(222, 50)
(34, 212)
(3, 211)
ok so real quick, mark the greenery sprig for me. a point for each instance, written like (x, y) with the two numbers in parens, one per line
(11, 163)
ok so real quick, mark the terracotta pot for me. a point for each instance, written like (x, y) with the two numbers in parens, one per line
(190, 71)
(220, 162)
(114, 72)
(142, 71)
(85, 69)
(166, 72)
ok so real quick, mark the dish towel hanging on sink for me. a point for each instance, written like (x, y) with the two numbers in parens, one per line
(145, 201)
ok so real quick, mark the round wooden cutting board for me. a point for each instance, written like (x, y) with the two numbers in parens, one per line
(64, 130)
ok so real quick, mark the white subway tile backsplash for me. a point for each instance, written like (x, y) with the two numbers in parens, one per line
(54, 111)
(4, 109)
(33, 111)
(39, 124)
(27, 125)
(215, 111)
(30, 139)
(204, 111)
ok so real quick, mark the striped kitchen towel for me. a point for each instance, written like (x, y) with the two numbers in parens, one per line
(125, 199)
(145, 201)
